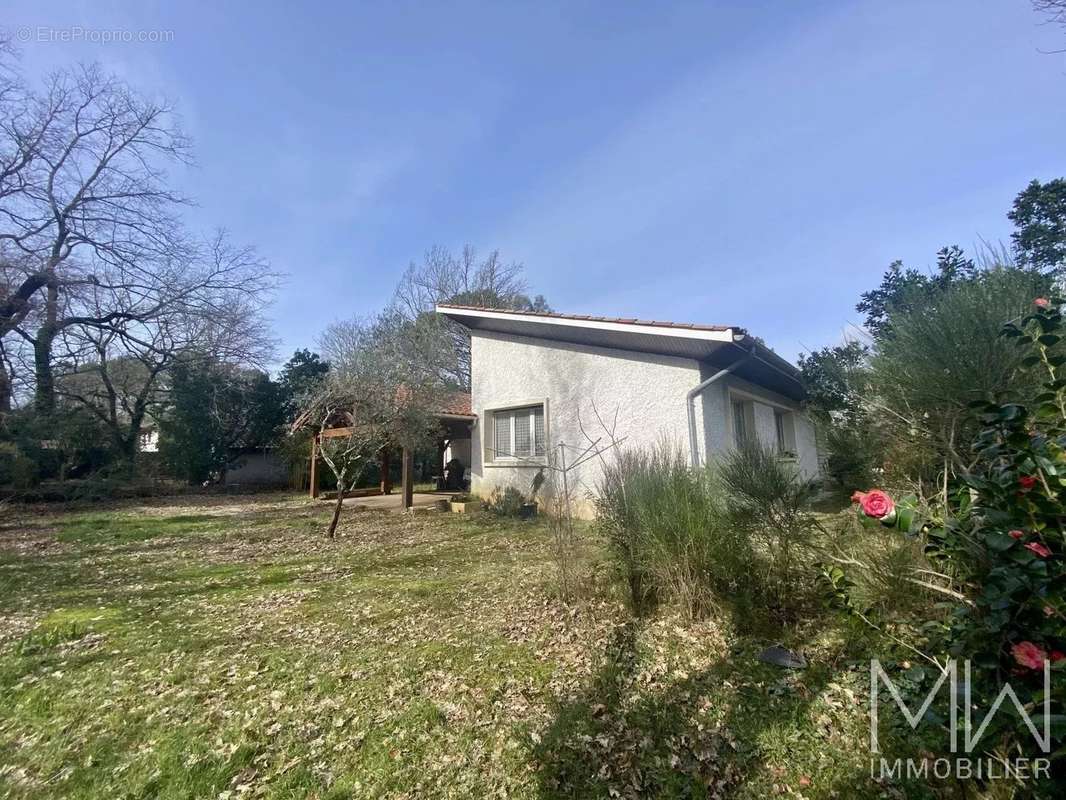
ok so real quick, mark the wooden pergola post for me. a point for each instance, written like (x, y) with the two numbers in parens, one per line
(314, 467)
(408, 478)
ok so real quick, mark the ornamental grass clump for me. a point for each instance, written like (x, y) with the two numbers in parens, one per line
(669, 532)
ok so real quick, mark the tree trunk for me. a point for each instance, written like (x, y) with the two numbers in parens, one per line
(126, 446)
(337, 511)
(44, 398)
(5, 389)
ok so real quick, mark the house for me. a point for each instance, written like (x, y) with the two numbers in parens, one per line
(548, 383)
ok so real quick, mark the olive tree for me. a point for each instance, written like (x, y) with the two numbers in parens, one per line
(382, 391)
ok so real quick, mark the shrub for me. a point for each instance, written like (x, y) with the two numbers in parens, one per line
(850, 462)
(1001, 537)
(17, 470)
(1006, 534)
(668, 531)
(944, 353)
(771, 501)
(507, 503)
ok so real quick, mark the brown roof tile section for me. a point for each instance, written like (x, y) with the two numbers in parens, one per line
(589, 318)
(458, 404)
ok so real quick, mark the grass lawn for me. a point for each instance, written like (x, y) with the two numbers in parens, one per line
(223, 648)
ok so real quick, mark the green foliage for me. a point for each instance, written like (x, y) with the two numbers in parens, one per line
(836, 379)
(190, 440)
(851, 454)
(903, 290)
(771, 502)
(1005, 535)
(879, 573)
(298, 379)
(70, 442)
(1039, 213)
(215, 411)
(507, 503)
(18, 471)
(669, 533)
(944, 353)
(1000, 538)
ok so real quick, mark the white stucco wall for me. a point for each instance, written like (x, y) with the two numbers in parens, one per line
(718, 420)
(644, 393)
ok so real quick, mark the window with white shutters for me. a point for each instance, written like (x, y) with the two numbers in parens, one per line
(518, 433)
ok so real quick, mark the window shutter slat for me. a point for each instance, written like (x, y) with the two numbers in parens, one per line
(522, 441)
(502, 425)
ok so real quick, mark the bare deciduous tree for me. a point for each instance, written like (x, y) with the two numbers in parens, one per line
(1054, 9)
(465, 279)
(118, 371)
(89, 229)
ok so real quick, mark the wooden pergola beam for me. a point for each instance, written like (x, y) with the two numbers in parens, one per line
(331, 433)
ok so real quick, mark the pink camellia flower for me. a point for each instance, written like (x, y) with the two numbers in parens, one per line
(1049, 611)
(857, 496)
(1029, 655)
(1027, 482)
(1016, 534)
(877, 504)
(1039, 549)
(1041, 302)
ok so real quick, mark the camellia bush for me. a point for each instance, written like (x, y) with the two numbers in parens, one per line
(1001, 537)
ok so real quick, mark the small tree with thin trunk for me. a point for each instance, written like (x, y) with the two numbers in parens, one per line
(381, 393)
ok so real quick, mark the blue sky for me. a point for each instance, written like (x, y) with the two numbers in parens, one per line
(757, 164)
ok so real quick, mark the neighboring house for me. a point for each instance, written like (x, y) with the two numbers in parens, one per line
(258, 467)
(148, 441)
(539, 379)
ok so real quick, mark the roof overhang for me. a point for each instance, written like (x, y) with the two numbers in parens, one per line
(714, 345)
(642, 337)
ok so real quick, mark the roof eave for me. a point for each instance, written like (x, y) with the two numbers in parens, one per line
(462, 315)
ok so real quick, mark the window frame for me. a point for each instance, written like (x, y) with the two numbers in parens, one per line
(747, 416)
(512, 459)
(787, 447)
(748, 399)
